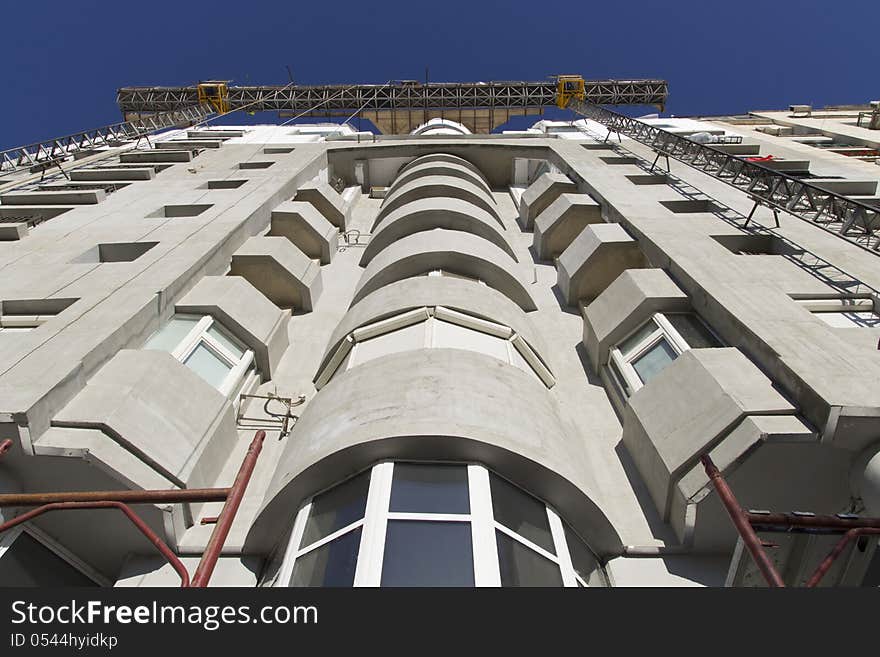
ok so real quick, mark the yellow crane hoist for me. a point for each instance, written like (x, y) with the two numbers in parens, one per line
(568, 87)
(215, 92)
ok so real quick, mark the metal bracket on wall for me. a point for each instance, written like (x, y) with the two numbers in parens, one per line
(279, 418)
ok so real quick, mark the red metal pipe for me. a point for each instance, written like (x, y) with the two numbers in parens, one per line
(126, 496)
(5, 446)
(817, 521)
(741, 522)
(157, 542)
(224, 522)
(838, 549)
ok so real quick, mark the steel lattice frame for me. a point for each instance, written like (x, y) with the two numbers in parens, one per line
(51, 150)
(847, 218)
(395, 96)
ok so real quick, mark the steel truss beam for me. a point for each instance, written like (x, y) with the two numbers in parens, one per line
(848, 219)
(395, 96)
(46, 152)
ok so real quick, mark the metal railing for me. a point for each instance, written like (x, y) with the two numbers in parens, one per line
(847, 218)
(54, 150)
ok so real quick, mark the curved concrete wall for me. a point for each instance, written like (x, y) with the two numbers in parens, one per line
(445, 186)
(457, 252)
(478, 300)
(442, 157)
(438, 404)
(439, 168)
(429, 213)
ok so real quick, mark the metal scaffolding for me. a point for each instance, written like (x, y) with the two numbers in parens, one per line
(848, 219)
(43, 154)
(343, 98)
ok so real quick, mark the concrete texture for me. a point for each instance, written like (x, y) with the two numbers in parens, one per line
(597, 256)
(626, 304)
(283, 273)
(689, 407)
(306, 228)
(540, 194)
(433, 212)
(562, 221)
(326, 200)
(433, 186)
(455, 251)
(526, 442)
(245, 313)
(134, 401)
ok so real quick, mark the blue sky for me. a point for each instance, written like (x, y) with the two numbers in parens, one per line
(65, 58)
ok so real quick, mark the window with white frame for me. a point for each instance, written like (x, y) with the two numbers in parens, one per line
(26, 560)
(656, 343)
(844, 312)
(205, 347)
(435, 328)
(432, 524)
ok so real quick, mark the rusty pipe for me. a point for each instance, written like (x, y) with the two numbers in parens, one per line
(820, 522)
(838, 549)
(742, 524)
(5, 446)
(224, 521)
(125, 496)
(144, 529)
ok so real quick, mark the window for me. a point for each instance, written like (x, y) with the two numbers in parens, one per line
(655, 344)
(435, 328)
(206, 348)
(26, 561)
(433, 524)
(844, 312)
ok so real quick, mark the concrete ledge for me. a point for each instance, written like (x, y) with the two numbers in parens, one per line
(690, 407)
(753, 458)
(540, 194)
(847, 187)
(433, 212)
(562, 221)
(326, 200)
(439, 168)
(625, 305)
(459, 253)
(429, 404)
(479, 300)
(245, 313)
(214, 134)
(442, 157)
(283, 273)
(189, 144)
(596, 257)
(160, 156)
(306, 228)
(437, 186)
(160, 411)
(13, 231)
(69, 197)
(110, 174)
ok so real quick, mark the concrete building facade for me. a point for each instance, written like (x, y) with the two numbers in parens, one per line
(500, 357)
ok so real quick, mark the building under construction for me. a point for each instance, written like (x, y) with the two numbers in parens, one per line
(604, 351)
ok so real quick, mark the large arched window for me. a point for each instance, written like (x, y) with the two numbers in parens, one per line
(432, 524)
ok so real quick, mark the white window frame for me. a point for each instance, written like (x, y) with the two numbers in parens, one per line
(621, 366)
(452, 274)
(345, 356)
(8, 538)
(374, 524)
(239, 365)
